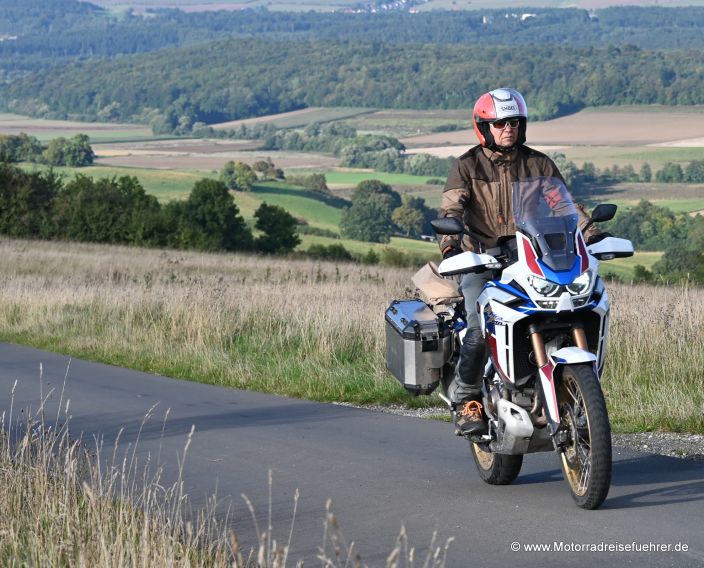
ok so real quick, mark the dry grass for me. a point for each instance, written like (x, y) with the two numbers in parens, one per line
(303, 328)
(654, 368)
(63, 506)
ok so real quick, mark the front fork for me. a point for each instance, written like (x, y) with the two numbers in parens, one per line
(546, 366)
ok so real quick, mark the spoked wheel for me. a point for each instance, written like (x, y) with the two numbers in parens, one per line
(586, 461)
(496, 469)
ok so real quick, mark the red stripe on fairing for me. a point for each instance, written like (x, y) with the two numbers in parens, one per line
(493, 347)
(548, 369)
(531, 258)
(582, 252)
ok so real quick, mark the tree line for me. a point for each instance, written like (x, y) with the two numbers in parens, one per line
(377, 152)
(582, 179)
(165, 88)
(119, 211)
(75, 152)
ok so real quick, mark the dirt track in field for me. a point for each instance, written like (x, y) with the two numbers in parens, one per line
(264, 119)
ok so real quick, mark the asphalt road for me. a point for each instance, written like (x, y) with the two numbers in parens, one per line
(381, 472)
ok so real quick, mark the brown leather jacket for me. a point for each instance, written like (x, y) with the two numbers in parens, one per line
(478, 191)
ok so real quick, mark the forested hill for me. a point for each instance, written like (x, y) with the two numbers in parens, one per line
(241, 78)
(37, 32)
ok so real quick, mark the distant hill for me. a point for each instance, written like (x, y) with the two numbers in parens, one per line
(241, 78)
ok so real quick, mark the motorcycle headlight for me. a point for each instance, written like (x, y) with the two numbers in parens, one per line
(581, 284)
(542, 286)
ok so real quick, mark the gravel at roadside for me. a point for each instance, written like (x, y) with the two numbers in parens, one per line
(684, 446)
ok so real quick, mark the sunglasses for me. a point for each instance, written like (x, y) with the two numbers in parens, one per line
(501, 124)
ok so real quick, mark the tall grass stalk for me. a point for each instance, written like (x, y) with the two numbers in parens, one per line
(305, 328)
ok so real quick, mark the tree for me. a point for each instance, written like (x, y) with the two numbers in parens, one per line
(694, 173)
(26, 201)
(317, 182)
(267, 169)
(114, 210)
(379, 193)
(670, 173)
(238, 176)
(369, 217)
(366, 221)
(19, 148)
(567, 168)
(78, 152)
(279, 228)
(208, 220)
(413, 217)
(54, 153)
(75, 153)
(408, 219)
(646, 174)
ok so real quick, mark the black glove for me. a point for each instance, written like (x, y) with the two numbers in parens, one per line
(451, 252)
(596, 238)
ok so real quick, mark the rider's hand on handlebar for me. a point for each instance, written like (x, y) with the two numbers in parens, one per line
(450, 251)
(596, 238)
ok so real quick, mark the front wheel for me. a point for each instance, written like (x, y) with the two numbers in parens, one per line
(586, 460)
(496, 469)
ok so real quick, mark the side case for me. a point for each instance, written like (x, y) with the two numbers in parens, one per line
(418, 344)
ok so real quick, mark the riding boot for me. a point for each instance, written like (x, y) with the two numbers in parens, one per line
(466, 389)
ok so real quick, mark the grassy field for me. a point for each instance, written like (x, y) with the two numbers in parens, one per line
(609, 156)
(298, 118)
(45, 129)
(351, 178)
(422, 249)
(314, 208)
(303, 328)
(623, 267)
(404, 123)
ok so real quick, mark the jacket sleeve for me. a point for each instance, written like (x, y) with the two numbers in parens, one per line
(454, 198)
(584, 215)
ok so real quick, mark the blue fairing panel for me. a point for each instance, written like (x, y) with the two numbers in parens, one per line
(510, 289)
(563, 277)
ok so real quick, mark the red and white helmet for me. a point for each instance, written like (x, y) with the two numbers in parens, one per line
(496, 105)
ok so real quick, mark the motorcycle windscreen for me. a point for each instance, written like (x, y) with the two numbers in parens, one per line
(544, 211)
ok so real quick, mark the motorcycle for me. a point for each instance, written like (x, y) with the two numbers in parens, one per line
(544, 316)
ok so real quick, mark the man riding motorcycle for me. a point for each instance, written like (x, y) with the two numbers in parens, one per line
(478, 191)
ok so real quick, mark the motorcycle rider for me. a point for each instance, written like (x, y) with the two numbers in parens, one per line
(478, 192)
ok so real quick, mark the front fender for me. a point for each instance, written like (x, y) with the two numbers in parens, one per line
(548, 373)
(571, 356)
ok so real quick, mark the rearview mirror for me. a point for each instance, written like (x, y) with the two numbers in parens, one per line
(603, 212)
(447, 226)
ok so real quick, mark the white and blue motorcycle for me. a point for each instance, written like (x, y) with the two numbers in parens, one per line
(544, 316)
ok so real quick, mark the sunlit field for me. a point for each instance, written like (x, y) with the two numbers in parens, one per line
(304, 328)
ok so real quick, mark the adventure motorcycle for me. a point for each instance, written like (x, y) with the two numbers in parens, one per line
(544, 317)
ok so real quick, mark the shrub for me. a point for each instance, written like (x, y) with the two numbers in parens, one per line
(329, 252)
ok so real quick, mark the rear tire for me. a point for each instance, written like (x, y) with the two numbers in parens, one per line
(586, 461)
(496, 469)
